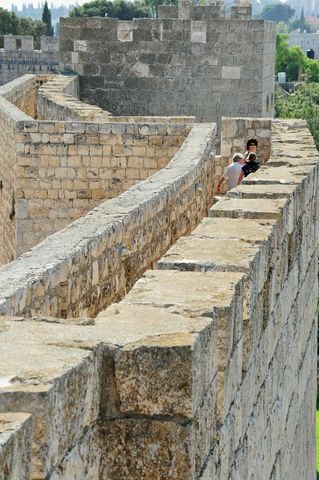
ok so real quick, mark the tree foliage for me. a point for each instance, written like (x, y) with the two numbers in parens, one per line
(46, 18)
(303, 104)
(122, 9)
(293, 61)
(277, 12)
(302, 21)
(11, 24)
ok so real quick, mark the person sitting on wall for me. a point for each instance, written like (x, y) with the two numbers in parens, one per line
(232, 173)
(250, 166)
(251, 146)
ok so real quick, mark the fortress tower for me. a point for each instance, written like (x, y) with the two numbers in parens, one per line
(192, 60)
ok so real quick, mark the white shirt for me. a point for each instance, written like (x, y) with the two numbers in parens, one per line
(232, 174)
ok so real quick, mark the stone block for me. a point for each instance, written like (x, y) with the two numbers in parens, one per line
(155, 287)
(62, 407)
(163, 445)
(15, 446)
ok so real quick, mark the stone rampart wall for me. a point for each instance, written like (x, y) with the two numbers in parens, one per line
(15, 64)
(173, 66)
(22, 92)
(207, 368)
(58, 100)
(137, 227)
(63, 169)
(15, 445)
(9, 116)
(49, 44)
(236, 131)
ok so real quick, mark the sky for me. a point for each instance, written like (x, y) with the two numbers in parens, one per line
(7, 3)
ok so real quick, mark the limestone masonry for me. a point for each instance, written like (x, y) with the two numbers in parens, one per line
(18, 57)
(58, 167)
(206, 369)
(192, 60)
(149, 331)
(198, 63)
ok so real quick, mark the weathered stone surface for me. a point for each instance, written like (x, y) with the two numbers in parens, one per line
(15, 446)
(245, 208)
(194, 374)
(250, 230)
(125, 245)
(178, 65)
(270, 191)
(164, 447)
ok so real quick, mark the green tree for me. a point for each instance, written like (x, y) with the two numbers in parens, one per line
(291, 60)
(300, 23)
(121, 9)
(11, 24)
(277, 12)
(312, 70)
(46, 18)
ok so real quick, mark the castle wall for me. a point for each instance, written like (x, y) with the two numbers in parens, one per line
(138, 226)
(173, 66)
(58, 100)
(15, 445)
(49, 44)
(234, 135)
(9, 116)
(66, 169)
(62, 169)
(23, 94)
(15, 64)
(207, 367)
(22, 43)
(7, 179)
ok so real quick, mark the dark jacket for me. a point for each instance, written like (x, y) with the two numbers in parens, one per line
(250, 167)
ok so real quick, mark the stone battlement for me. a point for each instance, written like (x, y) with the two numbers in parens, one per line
(207, 366)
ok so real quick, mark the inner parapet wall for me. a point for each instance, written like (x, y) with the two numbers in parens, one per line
(62, 169)
(173, 66)
(207, 368)
(22, 93)
(119, 239)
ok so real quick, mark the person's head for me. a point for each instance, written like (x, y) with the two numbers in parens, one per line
(239, 158)
(251, 157)
(252, 145)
